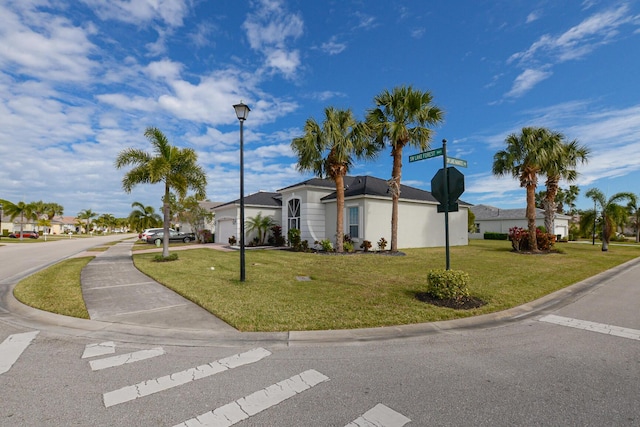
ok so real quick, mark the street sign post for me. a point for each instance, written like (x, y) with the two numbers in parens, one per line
(445, 188)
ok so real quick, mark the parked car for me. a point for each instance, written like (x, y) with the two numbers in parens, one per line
(174, 236)
(25, 234)
(149, 231)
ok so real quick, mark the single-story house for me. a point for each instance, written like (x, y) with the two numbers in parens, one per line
(496, 220)
(310, 206)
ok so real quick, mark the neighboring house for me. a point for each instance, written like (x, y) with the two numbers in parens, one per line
(496, 220)
(227, 215)
(310, 206)
(63, 224)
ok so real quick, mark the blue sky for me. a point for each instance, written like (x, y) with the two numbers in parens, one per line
(80, 80)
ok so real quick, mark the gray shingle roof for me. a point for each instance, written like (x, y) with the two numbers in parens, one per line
(261, 198)
(372, 186)
(486, 212)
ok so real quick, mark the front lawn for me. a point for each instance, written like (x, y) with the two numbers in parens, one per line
(356, 291)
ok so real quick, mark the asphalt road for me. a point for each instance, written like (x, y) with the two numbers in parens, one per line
(575, 364)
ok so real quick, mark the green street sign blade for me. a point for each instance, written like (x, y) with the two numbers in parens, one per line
(456, 162)
(425, 155)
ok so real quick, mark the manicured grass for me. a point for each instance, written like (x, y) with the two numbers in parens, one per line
(56, 289)
(355, 291)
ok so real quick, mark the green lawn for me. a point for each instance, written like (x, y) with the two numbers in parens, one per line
(355, 291)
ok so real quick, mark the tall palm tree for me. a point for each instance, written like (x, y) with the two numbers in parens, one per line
(329, 149)
(26, 212)
(525, 156)
(610, 212)
(87, 214)
(175, 167)
(402, 117)
(559, 166)
(142, 217)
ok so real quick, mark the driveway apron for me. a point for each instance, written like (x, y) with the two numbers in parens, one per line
(116, 291)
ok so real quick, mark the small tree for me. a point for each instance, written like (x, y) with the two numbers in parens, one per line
(261, 225)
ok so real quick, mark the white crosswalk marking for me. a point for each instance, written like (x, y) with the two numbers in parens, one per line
(254, 403)
(12, 347)
(380, 416)
(93, 350)
(146, 388)
(602, 328)
(122, 359)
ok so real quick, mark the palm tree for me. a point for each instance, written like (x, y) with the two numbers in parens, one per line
(634, 212)
(402, 117)
(610, 212)
(329, 149)
(87, 214)
(525, 156)
(26, 212)
(261, 225)
(176, 167)
(560, 166)
(142, 217)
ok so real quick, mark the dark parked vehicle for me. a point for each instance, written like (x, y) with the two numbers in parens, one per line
(25, 235)
(174, 236)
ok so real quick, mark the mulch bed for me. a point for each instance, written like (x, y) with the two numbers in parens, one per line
(465, 303)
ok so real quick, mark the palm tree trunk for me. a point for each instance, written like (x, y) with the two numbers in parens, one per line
(339, 179)
(394, 185)
(550, 204)
(531, 216)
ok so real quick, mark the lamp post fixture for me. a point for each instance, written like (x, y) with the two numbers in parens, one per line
(242, 111)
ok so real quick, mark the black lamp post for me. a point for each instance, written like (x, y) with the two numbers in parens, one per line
(242, 111)
(1, 220)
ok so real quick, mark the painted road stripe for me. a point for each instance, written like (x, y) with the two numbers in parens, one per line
(93, 350)
(259, 401)
(12, 347)
(380, 416)
(602, 328)
(146, 388)
(122, 359)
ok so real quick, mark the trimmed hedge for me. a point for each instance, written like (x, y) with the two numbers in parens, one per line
(447, 284)
(495, 236)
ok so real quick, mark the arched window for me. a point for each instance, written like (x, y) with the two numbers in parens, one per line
(293, 214)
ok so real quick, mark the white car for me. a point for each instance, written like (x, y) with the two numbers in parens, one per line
(149, 231)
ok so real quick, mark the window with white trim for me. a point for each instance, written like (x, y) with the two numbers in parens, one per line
(353, 221)
(293, 214)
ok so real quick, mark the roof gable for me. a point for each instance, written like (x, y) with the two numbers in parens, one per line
(261, 198)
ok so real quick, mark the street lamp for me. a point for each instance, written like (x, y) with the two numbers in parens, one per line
(242, 111)
(1, 220)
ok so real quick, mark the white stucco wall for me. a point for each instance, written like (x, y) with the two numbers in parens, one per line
(227, 221)
(312, 212)
(561, 226)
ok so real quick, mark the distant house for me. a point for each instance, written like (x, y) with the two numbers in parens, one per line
(310, 206)
(496, 220)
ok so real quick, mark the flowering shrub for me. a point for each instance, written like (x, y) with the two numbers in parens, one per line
(366, 245)
(382, 243)
(520, 241)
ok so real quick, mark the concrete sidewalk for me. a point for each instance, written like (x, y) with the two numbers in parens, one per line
(116, 291)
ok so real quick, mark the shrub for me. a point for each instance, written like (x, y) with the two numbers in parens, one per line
(326, 245)
(489, 235)
(520, 239)
(206, 236)
(171, 257)
(382, 243)
(348, 246)
(365, 245)
(294, 237)
(276, 238)
(232, 240)
(447, 284)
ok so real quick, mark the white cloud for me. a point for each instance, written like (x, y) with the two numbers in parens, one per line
(526, 81)
(171, 12)
(37, 44)
(332, 47)
(269, 29)
(533, 16)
